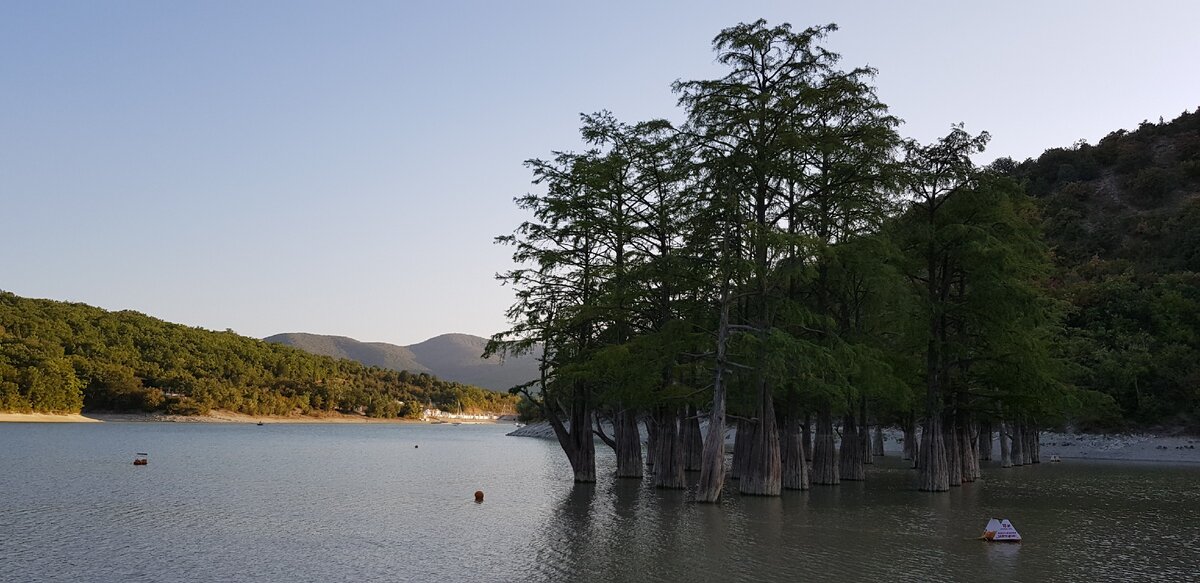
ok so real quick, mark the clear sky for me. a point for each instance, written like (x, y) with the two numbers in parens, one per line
(342, 167)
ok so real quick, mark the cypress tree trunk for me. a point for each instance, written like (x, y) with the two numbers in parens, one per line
(628, 444)
(825, 462)
(864, 431)
(970, 457)
(668, 466)
(578, 442)
(911, 445)
(693, 445)
(953, 451)
(877, 445)
(935, 475)
(1005, 453)
(852, 450)
(1033, 448)
(806, 437)
(764, 474)
(741, 448)
(1018, 444)
(712, 466)
(795, 470)
(651, 442)
(985, 441)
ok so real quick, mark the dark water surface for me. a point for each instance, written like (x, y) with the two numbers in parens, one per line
(284, 503)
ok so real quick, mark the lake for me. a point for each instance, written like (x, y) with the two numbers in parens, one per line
(285, 503)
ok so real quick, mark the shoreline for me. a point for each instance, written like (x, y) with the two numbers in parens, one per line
(223, 416)
(46, 418)
(1135, 447)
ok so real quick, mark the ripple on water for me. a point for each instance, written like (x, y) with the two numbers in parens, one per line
(323, 503)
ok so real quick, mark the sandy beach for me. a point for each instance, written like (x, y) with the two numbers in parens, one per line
(45, 418)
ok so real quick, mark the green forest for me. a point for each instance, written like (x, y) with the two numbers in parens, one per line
(59, 357)
(784, 261)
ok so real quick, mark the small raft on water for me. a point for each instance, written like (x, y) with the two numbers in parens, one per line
(141, 460)
(1000, 531)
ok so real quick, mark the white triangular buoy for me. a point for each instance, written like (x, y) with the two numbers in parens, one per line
(1000, 531)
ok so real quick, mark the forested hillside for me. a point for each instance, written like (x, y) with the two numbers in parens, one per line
(61, 357)
(1123, 219)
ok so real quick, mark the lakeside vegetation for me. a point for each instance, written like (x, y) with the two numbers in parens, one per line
(58, 357)
(786, 260)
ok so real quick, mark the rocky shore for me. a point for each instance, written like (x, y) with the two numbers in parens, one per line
(1124, 447)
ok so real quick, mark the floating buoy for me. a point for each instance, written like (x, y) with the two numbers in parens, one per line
(1000, 531)
(478, 496)
(416, 447)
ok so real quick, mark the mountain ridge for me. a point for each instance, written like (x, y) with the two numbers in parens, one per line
(452, 356)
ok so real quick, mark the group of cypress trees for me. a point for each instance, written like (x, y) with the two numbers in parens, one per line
(784, 262)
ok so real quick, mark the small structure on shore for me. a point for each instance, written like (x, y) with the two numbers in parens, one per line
(1055, 459)
(479, 496)
(141, 460)
(1000, 531)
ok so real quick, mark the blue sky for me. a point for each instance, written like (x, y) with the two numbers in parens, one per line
(342, 167)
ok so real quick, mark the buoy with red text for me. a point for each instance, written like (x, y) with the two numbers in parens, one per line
(1000, 531)
(478, 496)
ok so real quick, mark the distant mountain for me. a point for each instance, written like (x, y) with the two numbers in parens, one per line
(452, 357)
(378, 354)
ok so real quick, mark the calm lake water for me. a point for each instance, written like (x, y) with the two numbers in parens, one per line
(285, 503)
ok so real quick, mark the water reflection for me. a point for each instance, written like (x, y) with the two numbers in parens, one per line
(337, 503)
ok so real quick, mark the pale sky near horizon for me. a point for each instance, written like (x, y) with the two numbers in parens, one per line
(342, 167)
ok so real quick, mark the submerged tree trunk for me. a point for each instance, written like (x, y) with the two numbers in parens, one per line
(795, 468)
(1035, 446)
(1018, 444)
(911, 445)
(954, 452)
(668, 461)
(852, 450)
(935, 475)
(985, 441)
(825, 462)
(628, 447)
(693, 444)
(806, 437)
(763, 474)
(877, 443)
(651, 441)
(578, 442)
(1005, 453)
(712, 466)
(967, 435)
(741, 448)
(864, 431)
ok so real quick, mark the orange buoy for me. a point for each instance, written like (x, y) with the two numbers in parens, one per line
(478, 496)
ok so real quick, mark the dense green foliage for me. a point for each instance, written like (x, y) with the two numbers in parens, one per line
(1123, 217)
(59, 357)
(785, 254)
